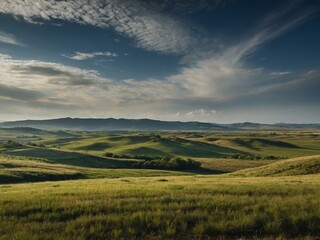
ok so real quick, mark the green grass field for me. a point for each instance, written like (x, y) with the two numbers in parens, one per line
(189, 207)
(283, 144)
(100, 198)
(290, 167)
(19, 169)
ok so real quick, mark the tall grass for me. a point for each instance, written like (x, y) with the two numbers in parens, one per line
(190, 207)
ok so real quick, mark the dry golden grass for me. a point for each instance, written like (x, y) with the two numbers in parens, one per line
(295, 166)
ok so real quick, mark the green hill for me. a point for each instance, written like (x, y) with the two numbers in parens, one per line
(21, 169)
(13, 171)
(147, 144)
(66, 157)
(282, 145)
(290, 167)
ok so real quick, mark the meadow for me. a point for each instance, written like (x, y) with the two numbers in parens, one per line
(251, 185)
(186, 207)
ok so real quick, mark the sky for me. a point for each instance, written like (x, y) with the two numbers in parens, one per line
(220, 61)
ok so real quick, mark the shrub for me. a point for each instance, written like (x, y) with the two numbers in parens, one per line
(166, 163)
(10, 144)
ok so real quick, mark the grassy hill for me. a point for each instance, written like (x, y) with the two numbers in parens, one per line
(13, 171)
(295, 166)
(66, 157)
(224, 165)
(83, 151)
(21, 169)
(148, 144)
(287, 144)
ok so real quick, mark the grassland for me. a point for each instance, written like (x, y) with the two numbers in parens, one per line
(286, 144)
(190, 207)
(290, 167)
(19, 169)
(103, 199)
(223, 165)
(85, 150)
(137, 144)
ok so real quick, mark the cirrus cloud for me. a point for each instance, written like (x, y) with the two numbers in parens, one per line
(84, 56)
(9, 39)
(152, 30)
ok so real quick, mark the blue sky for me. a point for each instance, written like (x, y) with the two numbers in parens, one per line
(198, 60)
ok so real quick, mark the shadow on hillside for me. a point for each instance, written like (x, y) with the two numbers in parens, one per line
(256, 143)
(68, 158)
(205, 171)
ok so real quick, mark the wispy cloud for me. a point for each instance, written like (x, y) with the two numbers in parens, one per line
(152, 30)
(75, 86)
(227, 73)
(201, 112)
(278, 74)
(12, 92)
(9, 39)
(84, 56)
(52, 90)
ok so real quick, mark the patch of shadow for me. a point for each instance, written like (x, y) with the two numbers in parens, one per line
(95, 147)
(162, 180)
(277, 143)
(70, 158)
(205, 171)
(248, 143)
(148, 151)
(176, 187)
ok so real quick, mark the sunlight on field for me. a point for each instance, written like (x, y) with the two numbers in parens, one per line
(162, 208)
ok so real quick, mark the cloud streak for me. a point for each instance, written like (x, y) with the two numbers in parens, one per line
(151, 30)
(79, 56)
(71, 85)
(9, 39)
(226, 73)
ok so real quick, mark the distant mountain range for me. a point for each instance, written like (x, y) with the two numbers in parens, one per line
(276, 126)
(110, 124)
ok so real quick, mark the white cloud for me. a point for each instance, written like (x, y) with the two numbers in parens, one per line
(279, 74)
(84, 56)
(9, 39)
(152, 30)
(200, 113)
(36, 89)
(75, 87)
(226, 74)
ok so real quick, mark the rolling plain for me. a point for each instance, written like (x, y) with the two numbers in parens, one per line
(96, 185)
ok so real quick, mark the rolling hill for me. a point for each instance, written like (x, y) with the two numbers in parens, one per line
(14, 171)
(143, 144)
(290, 167)
(65, 157)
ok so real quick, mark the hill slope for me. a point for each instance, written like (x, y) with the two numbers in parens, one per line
(146, 144)
(294, 166)
(13, 171)
(65, 157)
